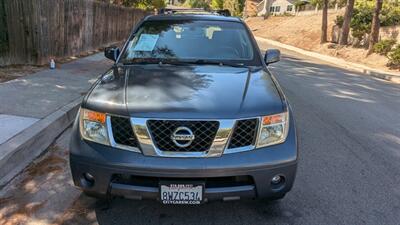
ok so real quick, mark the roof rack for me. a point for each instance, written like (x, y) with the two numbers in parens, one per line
(222, 12)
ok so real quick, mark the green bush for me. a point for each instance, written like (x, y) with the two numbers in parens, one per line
(234, 6)
(144, 4)
(316, 2)
(197, 4)
(363, 12)
(361, 21)
(390, 14)
(339, 21)
(217, 4)
(394, 57)
(383, 47)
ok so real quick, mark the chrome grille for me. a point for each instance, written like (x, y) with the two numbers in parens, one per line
(162, 130)
(244, 133)
(123, 132)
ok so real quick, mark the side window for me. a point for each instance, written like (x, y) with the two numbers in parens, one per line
(278, 9)
(289, 8)
(271, 9)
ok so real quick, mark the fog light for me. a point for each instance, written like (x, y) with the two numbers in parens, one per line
(87, 180)
(276, 180)
(88, 177)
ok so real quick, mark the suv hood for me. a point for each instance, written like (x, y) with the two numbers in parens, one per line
(185, 92)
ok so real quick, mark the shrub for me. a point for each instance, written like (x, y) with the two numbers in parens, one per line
(383, 47)
(363, 12)
(197, 4)
(361, 21)
(316, 2)
(217, 4)
(390, 14)
(234, 6)
(394, 57)
(339, 21)
(144, 4)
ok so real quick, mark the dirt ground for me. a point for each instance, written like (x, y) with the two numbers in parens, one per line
(304, 32)
(8, 73)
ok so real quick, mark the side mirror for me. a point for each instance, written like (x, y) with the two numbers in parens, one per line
(272, 56)
(112, 53)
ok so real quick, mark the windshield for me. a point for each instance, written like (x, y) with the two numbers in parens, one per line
(190, 40)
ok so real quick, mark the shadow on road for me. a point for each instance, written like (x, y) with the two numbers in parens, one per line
(123, 211)
(336, 82)
(355, 99)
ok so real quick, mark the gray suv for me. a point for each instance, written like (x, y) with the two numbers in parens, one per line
(189, 113)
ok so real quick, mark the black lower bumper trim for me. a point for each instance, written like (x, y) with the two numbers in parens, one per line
(225, 193)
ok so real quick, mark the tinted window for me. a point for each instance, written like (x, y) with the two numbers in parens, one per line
(188, 40)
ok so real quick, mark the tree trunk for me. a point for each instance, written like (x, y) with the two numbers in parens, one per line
(324, 27)
(374, 35)
(346, 22)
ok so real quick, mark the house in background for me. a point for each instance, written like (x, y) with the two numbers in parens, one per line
(272, 7)
(278, 7)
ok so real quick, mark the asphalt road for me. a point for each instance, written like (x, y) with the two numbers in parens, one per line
(349, 171)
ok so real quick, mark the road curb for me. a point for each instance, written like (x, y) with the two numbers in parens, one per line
(19, 151)
(388, 76)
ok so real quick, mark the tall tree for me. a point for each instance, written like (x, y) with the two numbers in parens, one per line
(344, 36)
(324, 27)
(374, 35)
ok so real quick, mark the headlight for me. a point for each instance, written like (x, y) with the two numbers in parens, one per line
(93, 126)
(273, 130)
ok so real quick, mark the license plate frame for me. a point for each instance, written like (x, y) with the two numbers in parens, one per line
(181, 193)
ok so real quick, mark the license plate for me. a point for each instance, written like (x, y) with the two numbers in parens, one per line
(190, 194)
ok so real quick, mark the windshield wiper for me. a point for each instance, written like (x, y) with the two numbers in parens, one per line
(184, 62)
(213, 62)
(142, 61)
(156, 61)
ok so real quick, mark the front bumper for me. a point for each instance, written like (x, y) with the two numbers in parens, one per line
(258, 166)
